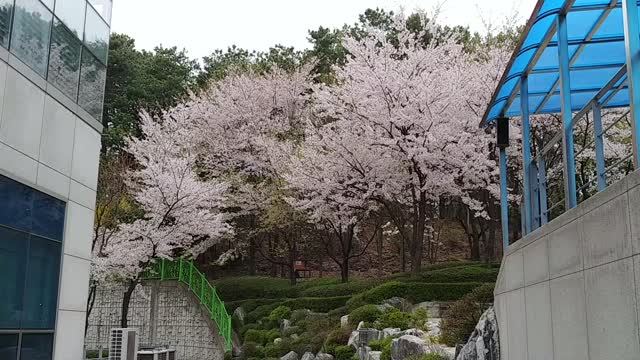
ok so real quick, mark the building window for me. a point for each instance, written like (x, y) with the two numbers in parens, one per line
(64, 62)
(30, 36)
(96, 35)
(31, 231)
(6, 11)
(93, 76)
(72, 13)
(103, 7)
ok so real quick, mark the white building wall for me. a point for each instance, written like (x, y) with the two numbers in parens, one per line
(50, 144)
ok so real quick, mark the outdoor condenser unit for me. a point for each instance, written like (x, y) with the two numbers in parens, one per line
(123, 344)
(157, 354)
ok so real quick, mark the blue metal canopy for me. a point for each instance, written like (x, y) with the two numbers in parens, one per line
(597, 57)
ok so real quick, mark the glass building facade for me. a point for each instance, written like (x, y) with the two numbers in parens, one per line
(53, 57)
(66, 42)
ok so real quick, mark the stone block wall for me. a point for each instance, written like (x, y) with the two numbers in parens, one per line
(181, 321)
(569, 290)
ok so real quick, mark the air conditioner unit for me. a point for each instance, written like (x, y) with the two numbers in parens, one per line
(161, 353)
(123, 344)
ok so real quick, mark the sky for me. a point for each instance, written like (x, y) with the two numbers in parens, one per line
(201, 26)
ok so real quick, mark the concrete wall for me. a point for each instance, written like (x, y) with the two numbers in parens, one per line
(182, 321)
(569, 290)
(49, 143)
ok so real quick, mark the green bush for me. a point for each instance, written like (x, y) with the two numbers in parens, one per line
(339, 312)
(260, 312)
(468, 273)
(379, 345)
(366, 313)
(344, 352)
(249, 305)
(252, 350)
(299, 315)
(462, 316)
(316, 304)
(279, 313)
(413, 291)
(393, 318)
(243, 330)
(277, 350)
(330, 290)
(254, 287)
(419, 319)
(261, 337)
(337, 337)
(432, 356)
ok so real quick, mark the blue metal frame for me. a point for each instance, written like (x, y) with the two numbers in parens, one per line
(599, 148)
(526, 153)
(570, 195)
(504, 199)
(632, 47)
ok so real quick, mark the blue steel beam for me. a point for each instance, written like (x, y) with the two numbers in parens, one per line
(526, 153)
(599, 147)
(571, 200)
(504, 199)
(632, 44)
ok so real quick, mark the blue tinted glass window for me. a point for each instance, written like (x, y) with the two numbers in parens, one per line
(41, 292)
(64, 61)
(36, 347)
(30, 36)
(16, 200)
(96, 35)
(8, 346)
(48, 216)
(13, 263)
(6, 11)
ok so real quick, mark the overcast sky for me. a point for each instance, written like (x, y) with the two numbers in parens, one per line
(201, 26)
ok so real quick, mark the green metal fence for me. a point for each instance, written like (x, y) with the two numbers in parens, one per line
(186, 272)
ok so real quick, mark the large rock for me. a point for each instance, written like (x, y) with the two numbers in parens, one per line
(363, 337)
(291, 355)
(415, 332)
(285, 325)
(344, 321)
(308, 356)
(407, 345)
(239, 314)
(374, 355)
(484, 342)
(391, 332)
(399, 303)
(323, 356)
(433, 326)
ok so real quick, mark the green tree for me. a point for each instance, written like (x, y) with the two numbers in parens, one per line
(142, 80)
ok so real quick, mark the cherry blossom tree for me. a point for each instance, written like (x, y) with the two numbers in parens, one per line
(181, 208)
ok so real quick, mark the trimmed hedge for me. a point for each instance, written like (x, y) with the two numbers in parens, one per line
(254, 287)
(330, 290)
(366, 313)
(317, 304)
(415, 292)
(468, 273)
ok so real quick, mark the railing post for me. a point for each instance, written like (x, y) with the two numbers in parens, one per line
(526, 153)
(599, 147)
(570, 195)
(542, 190)
(632, 47)
(504, 199)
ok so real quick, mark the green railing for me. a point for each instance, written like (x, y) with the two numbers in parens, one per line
(186, 272)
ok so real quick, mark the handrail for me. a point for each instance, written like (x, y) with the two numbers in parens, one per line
(187, 273)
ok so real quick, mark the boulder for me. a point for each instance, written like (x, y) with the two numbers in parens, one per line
(434, 327)
(285, 325)
(323, 356)
(294, 337)
(277, 341)
(360, 325)
(406, 346)
(308, 356)
(384, 307)
(399, 303)
(363, 337)
(239, 314)
(415, 332)
(484, 342)
(291, 355)
(374, 355)
(391, 332)
(363, 352)
(344, 321)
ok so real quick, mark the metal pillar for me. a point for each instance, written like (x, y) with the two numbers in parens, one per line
(526, 153)
(599, 147)
(504, 199)
(632, 45)
(571, 200)
(542, 190)
(153, 312)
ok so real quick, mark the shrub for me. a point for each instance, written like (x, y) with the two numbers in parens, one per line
(277, 350)
(261, 337)
(249, 305)
(244, 329)
(260, 312)
(393, 318)
(252, 350)
(279, 313)
(366, 313)
(344, 352)
(379, 345)
(414, 291)
(419, 319)
(254, 287)
(462, 316)
(470, 273)
(330, 290)
(431, 356)
(317, 304)
(338, 336)
(339, 312)
(299, 315)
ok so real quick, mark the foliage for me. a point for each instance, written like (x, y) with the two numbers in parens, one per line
(253, 287)
(419, 319)
(261, 337)
(251, 326)
(350, 288)
(467, 273)
(366, 313)
(317, 304)
(337, 337)
(393, 318)
(279, 313)
(380, 345)
(344, 352)
(462, 316)
(415, 292)
(431, 356)
(252, 350)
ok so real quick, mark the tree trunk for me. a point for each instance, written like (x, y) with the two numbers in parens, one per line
(90, 302)
(344, 271)
(380, 243)
(417, 245)
(126, 300)
(252, 256)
